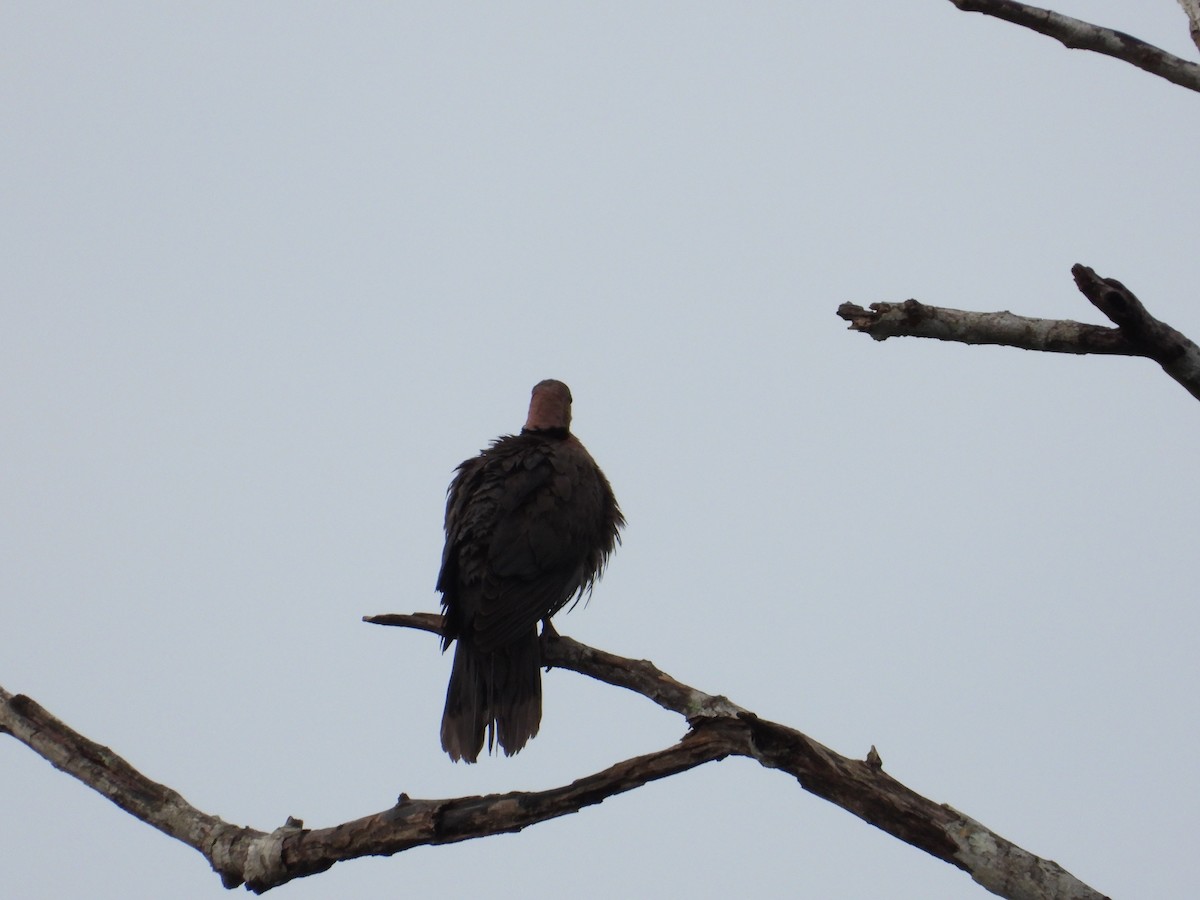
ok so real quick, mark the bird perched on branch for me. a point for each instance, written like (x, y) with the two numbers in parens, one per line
(530, 523)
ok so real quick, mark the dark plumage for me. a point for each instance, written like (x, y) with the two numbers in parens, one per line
(530, 523)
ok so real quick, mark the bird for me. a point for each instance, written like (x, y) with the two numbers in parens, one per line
(530, 524)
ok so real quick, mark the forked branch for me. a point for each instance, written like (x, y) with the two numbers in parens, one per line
(717, 729)
(1137, 333)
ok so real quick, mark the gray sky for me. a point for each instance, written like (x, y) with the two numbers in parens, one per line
(272, 270)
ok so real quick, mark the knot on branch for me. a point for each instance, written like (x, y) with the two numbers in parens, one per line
(226, 852)
(264, 865)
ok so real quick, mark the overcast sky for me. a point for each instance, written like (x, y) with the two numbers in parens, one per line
(271, 270)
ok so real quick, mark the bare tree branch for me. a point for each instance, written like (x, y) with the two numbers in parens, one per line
(718, 728)
(1080, 35)
(1192, 9)
(262, 861)
(913, 318)
(640, 676)
(1137, 333)
(1176, 353)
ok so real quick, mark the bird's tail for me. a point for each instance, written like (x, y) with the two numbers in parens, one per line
(498, 692)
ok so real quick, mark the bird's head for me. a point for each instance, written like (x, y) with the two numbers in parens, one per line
(549, 407)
